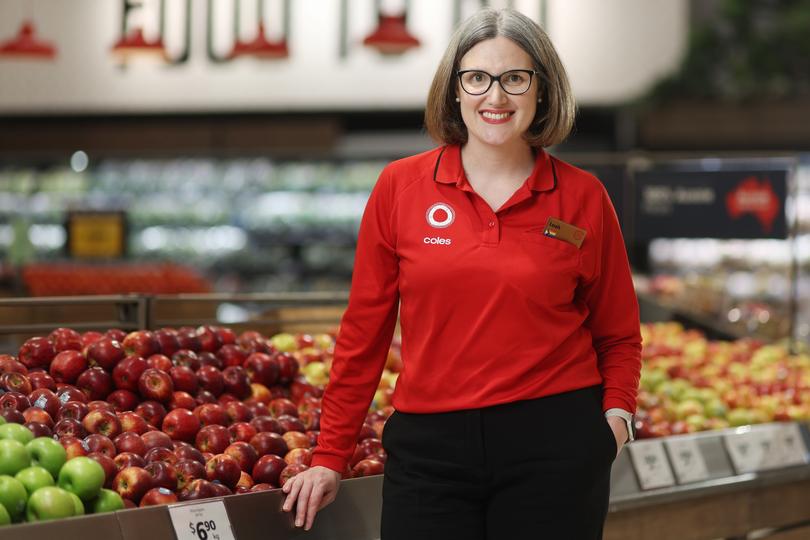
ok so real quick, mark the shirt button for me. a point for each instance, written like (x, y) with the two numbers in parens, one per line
(491, 224)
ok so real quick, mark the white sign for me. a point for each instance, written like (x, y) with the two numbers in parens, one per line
(687, 460)
(201, 521)
(787, 446)
(747, 449)
(651, 465)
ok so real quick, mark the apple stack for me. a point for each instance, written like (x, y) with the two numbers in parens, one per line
(180, 414)
(38, 482)
(689, 383)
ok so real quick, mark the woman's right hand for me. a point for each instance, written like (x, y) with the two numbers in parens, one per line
(308, 492)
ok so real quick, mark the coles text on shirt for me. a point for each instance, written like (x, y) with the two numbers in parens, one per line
(561, 230)
(440, 215)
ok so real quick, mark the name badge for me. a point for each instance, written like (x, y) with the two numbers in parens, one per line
(566, 232)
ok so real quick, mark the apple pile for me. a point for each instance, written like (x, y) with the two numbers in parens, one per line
(38, 482)
(179, 414)
(689, 383)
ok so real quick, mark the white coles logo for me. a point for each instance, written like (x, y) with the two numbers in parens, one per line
(440, 215)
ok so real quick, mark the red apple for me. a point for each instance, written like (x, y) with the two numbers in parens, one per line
(151, 411)
(226, 335)
(15, 382)
(261, 487)
(105, 353)
(182, 400)
(73, 446)
(231, 355)
(90, 337)
(368, 467)
(132, 483)
(224, 469)
(160, 453)
(103, 422)
(311, 419)
(257, 409)
(95, 383)
(266, 423)
(156, 385)
(244, 454)
(35, 414)
(225, 398)
(107, 464)
(142, 343)
(67, 365)
(212, 414)
(65, 339)
(96, 442)
(15, 400)
(181, 424)
(237, 412)
(41, 379)
(259, 393)
(204, 396)
(184, 379)
(187, 359)
(70, 393)
(130, 442)
(211, 379)
(167, 339)
(209, 359)
(366, 432)
(282, 406)
(128, 459)
(290, 423)
(245, 483)
(156, 439)
(313, 437)
(132, 422)
(288, 367)
(187, 339)
(45, 399)
(299, 455)
(39, 429)
(213, 438)
(123, 400)
(157, 496)
(12, 416)
(159, 361)
(36, 352)
(290, 471)
(242, 431)
(267, 442)
(262, 368)
(69, 427)
(296, 439)
(128, 371)
(116, 333)
(189, 452)
(163, 474)
(188, 470)
(209, 339)
(237, 381)
(73, 409)
(197, 489)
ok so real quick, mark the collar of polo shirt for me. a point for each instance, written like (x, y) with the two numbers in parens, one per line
(449, 170)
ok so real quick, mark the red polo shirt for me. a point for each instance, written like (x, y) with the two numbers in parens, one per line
(492, 310)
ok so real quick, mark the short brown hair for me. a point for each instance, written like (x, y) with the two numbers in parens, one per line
(555, 115)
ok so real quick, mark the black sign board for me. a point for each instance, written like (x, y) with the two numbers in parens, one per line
(711, 204)
(613, 178)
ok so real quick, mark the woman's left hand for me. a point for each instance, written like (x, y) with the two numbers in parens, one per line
(619, 427)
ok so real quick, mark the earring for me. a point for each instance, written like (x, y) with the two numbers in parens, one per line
(539, 100)
(458, 100)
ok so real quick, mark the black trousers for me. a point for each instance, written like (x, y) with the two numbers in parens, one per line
(531, 469)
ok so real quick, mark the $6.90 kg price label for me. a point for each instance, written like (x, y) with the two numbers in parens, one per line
(201, 521)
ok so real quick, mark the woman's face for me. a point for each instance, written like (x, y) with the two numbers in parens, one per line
(497, 118)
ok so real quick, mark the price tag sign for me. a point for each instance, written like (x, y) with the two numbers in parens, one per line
(794, 451)
(651, 465)
(746, 450)
(201, 521)
(687, 460)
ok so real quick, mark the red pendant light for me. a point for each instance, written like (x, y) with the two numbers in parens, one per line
(391, 36)
(261, 47)
(26, 45)
(135, 44)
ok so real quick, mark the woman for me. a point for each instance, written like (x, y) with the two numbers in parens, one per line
(520, 333)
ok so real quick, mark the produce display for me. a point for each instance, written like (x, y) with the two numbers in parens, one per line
(689, 383)
(97, 422)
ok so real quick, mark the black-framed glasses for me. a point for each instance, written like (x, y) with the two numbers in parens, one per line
(515, 81)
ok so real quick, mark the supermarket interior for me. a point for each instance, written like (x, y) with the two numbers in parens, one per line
(181, 187)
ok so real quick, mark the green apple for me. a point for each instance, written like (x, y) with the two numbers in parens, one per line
(78, 505)
(2, 420)
(82, 476)
(13, 456)
(107, 501)
(5, 519)
(17, 432)
(12, 496)
(34, 478)
(50, 503)
(284, 342)
(47, 453)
